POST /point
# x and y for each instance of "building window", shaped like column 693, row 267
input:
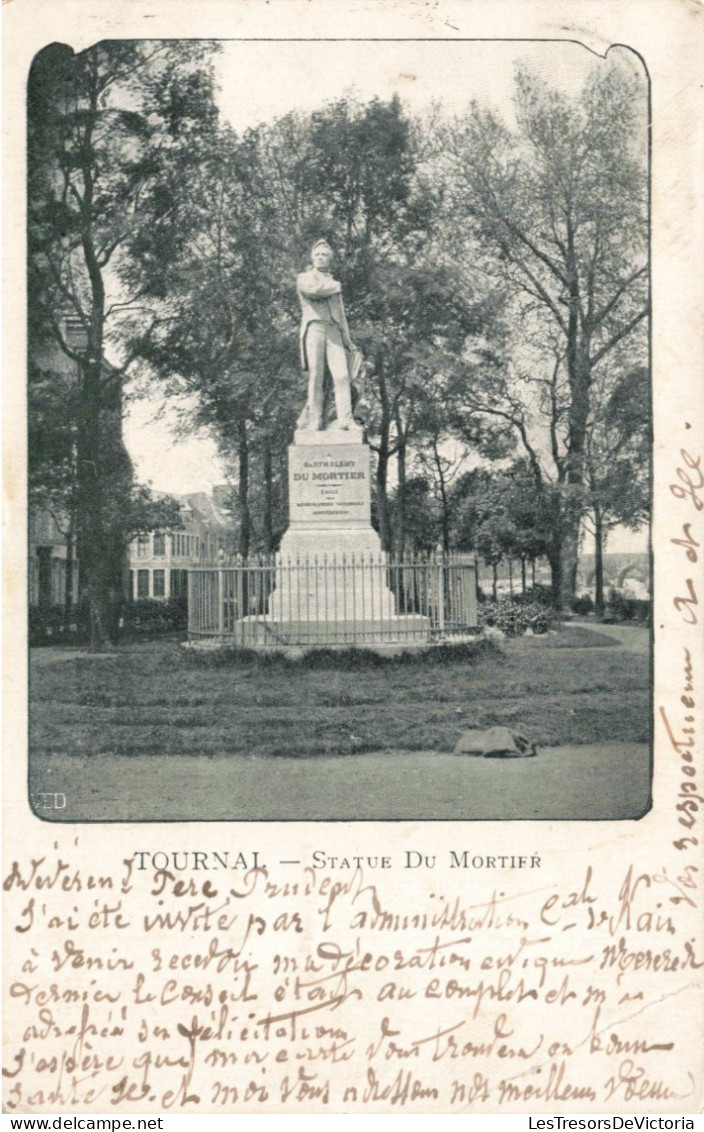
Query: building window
column 159, row 583
column 142, row 583
column 179, row 583
column 44, row 559
column 142, row 546
column 159, row 544
column 58, row 581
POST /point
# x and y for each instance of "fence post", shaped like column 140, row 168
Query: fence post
column 441, row 596
column 473, row 611
column 221, row 595
column 190, row 601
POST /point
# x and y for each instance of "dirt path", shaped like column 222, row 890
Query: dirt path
column 605, row 781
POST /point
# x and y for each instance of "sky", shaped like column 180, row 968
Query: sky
column 308, row 75
column 260, row 81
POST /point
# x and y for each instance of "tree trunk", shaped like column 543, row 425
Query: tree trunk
column 523, row 576
column 384, row 455
column 510, row 576
column 382, row 502
column 68, row 593
column 568, row 563
column 555, row 560
column 443, row 500
column 494, row 580
column 579, row 371
column 599, row 561
column 243, row 489
column 93, row 553
column 268, row 496
column 103, row 475
column 90, row 535
column 401, row 500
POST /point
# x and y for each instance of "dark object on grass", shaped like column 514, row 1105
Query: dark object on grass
column 495, row 742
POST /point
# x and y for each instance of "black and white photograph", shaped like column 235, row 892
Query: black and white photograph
column 354, row 513
column 339, row 408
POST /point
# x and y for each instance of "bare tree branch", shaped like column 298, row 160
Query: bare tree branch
column 625, row 330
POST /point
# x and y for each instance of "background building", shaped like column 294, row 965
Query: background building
column 159, row 560
column 50, row 562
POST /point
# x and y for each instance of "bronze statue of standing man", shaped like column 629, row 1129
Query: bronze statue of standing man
column 325, row 337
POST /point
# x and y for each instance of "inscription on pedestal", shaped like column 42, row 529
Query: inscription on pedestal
column 329, row 486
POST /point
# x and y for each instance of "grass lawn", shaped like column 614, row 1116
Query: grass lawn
column 572, row 687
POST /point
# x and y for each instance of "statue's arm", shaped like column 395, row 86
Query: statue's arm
column 313, row 286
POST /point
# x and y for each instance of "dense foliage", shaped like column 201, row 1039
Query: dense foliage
column 495, row 277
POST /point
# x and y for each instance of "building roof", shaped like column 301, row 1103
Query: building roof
column 205, row 508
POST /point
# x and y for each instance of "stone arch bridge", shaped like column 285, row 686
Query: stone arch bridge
column 618, row 570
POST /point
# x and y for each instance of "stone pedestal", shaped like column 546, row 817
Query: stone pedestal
column 328, row 488
column 331, row 578
column 330, row 566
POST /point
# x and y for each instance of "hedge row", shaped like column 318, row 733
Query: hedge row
column 48, row 624
column 618, row 607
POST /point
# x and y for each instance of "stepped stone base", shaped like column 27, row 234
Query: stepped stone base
column 360, row 545
column 256, row 632
column 331, row 575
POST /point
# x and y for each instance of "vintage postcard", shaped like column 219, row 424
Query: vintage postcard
column 354, row 522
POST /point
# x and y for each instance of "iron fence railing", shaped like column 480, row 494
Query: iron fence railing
column 333, row 600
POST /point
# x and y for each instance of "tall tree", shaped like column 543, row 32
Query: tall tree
column 415, row 506
column 224, row 330
column 530, row 513
column 103, row 127
column 500, row 515
column 618, row 458
column 420, row 322
column 556, row 208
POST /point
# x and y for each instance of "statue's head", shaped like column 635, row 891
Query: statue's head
column 321, row 254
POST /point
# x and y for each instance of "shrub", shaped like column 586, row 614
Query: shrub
column 622, row 608
column 536, row 595
column 150, row 617
column 583, row 605
column 48, row 624
column 514, row 617
column 539, row 617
